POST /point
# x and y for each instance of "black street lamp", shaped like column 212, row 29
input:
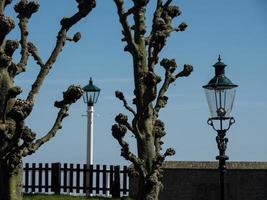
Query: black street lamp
column 220, row 93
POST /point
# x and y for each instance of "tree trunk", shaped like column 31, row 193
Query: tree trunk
column 10, row 183
column 146, row 191
column 149, row 187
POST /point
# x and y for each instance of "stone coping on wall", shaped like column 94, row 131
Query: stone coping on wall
column 244, row 165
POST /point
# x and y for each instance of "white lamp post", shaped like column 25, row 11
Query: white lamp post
column 90, row 97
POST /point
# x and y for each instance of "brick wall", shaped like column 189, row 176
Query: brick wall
column 200, row 181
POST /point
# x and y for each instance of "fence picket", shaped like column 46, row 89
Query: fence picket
column 110, row 178
column 78, row 178
column 46, row 177
column 33, row 177
column 26, row 184
column 91, row 174
column 71, row 178
column 40, row 177
column 56, row 177
column 85, row 172
column 104, row 180
column 65, row 177
column 97, row 178
column 125, row 176
column 116, row 183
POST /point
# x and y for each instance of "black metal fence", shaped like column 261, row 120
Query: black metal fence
column 69, row 178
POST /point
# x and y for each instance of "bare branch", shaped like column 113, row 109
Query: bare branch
column 11, row 46
column 161, row 158
column 125, row 26
column 121, row 97
column 129, row 11
column 123, row 120
column 161, row 30
column 185, row 72
column 70, row 96
column 152, row 49
column 25, row 10
column 128, row 155
column 158, row 132
column 85, row 8
column 170, row 67
column 118, row 132
column 24, row 49
column 169, row 152
column 168, row 2
column 181, row 27
column 57, row 125
column 75, row 38
column 11, row 93
column 34, row 52
column 46, row 68
column 6, row 25
column 2, row 6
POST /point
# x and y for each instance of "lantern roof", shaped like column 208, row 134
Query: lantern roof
column 220, row 81
column 91, row 87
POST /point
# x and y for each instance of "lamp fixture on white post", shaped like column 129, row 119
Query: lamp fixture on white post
column 90, row 97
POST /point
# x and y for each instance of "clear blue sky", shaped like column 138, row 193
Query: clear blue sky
column 235, row 29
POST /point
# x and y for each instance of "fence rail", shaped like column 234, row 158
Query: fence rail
column 69, row 178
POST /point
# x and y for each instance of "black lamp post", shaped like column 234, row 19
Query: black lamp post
column 220, row 93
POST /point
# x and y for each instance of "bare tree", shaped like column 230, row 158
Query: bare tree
column 17, row 140
column 145, row 125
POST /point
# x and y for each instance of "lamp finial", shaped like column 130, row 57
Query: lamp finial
column 219, row 58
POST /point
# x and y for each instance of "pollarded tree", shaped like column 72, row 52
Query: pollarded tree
column 146, row 126
column 17, row 140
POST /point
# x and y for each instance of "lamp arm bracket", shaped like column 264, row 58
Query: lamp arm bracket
column 210, row 122
column 231, row 121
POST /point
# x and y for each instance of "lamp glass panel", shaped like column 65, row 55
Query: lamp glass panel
column 220, row 100
column 85, row 97
column 96, row 95
column 91, row 95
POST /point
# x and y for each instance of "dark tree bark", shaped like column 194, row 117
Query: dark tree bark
column 16, row 139
column 150, row 97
